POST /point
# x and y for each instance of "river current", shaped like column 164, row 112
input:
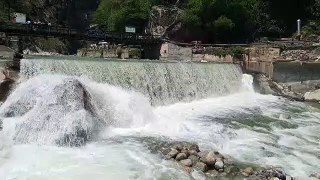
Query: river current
column 211, row 104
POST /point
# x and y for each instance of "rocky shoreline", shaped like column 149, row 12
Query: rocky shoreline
column 212, row 164
column 264, row 85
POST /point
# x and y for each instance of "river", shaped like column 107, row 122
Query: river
column 142, row 102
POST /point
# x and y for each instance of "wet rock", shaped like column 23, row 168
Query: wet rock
column 247, row 171
column 315, row 175
column 200, row 166
column 271, row 173
column 219, row 165
column 209, row 158
column 312, row 96
column 178, row 147
column 186, row 162
column 261, row 84
column 192, row 152
column 63, row 112
column 194, row 159
column 194, row 147
column 5, row 87
column 172, row 154
column 202, row 153
column 185, row 151
column 228, row 160
column 181, row 156
column 212, row 173
column 231, row 169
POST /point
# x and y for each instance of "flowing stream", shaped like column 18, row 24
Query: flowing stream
column 125, row 105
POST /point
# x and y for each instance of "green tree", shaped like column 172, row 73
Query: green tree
column 113, row 15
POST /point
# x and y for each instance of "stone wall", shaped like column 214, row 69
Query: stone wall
column 171, row 51
column 263, row 53
column 116, row 52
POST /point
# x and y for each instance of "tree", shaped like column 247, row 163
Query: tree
column 113, row 15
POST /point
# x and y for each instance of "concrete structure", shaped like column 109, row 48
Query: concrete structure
column 171, row 51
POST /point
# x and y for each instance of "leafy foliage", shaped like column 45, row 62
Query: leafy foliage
column 113, row 15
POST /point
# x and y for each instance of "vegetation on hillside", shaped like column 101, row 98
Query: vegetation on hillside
column 217, row 20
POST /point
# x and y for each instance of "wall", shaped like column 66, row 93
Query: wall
column 169, row 51
column 296, row 71
column 263, row 53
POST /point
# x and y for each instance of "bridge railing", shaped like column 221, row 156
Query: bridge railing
column 58, row 31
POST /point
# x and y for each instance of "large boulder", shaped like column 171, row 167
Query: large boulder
column 48, row 110
column 313, row 95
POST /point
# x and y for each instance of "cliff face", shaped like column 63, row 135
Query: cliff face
column 163, row 20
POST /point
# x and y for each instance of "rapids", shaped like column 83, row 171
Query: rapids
column 239, row 122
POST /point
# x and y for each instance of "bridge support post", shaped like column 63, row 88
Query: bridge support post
column 16, row 44
column 151, row 51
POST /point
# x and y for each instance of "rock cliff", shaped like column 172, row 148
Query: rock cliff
column 164, row 20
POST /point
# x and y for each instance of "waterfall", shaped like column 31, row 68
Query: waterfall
column 162, row 82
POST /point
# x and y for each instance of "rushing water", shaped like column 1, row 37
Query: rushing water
column 241, row 123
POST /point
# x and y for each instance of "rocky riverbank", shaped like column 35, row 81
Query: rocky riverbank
column 211, row 164
column 265, row 85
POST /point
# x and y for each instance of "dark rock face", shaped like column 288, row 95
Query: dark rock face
column 58, row 112
column 5, row 87
column 264, row 85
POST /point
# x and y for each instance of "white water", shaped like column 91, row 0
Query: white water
column 244, row 125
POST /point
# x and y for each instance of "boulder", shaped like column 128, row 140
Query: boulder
column 181, row 156
column 186, row 162
column 247, row 171
column 219, row 164
column 261, row 84
column 200, row 166
column 172, row 154
column 192, row 152
column 209, row 158
column 194, row 159
column 194, row 147
column 6, row 86
column 52, row 111
column 312, row 96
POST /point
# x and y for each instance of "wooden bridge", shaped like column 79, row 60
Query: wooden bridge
column 45, row 30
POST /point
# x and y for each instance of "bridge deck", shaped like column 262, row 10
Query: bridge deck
column 39, row 30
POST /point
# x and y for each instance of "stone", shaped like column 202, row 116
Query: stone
column 70, row 105
column 212, row 173
column 231, row 169
column 312, row 96
column 186, row 162
column 218, row 165
column 185, row 151
column 193, row 152
column 202, row 153
column 209, row 158
column 194, row 147
column 173, row 153
column 178, row 147
column 193, row 158
column 181, row 156
column 200, row 166
column 247, row 171
column 315, row 175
